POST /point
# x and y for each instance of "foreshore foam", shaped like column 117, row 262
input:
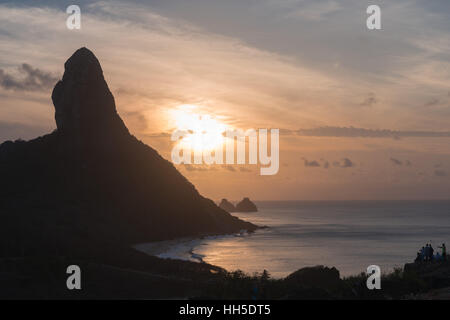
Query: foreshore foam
column 181, row 248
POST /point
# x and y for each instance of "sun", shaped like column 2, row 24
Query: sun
column 204, row 132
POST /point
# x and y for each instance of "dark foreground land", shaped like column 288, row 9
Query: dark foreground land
column 127, row 274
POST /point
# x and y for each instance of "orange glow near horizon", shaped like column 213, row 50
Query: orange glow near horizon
column 204, row 131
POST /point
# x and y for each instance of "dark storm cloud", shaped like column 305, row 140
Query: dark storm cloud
column 30, row 79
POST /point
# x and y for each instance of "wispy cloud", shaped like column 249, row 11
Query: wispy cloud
column 398, row 162
column 344, row 163
column 369, row 101
column 29, row 79
column 440, row 173
column 312, row 163
column 229, row 168
column 350, row 132
column 311, row 10
column 13, row 131
column 323, row 163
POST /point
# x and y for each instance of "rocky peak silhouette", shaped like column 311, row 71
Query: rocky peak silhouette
column 227, row 206
column 84, row 105
column 92, row 182
column 245, row 205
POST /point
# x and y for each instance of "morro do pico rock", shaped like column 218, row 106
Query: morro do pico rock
column 91, row 181
column 84, row 105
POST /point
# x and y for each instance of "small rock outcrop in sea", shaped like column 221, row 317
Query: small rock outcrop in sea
column 246, row 206
column 227, row 206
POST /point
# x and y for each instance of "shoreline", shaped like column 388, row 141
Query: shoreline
column 181, row 248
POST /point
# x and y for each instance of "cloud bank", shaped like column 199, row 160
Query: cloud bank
column 29, row 79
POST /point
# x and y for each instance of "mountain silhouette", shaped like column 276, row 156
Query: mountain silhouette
column 227, row 206
column 91, row 182
column 245, row 205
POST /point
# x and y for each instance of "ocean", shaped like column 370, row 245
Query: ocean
column 349, row 235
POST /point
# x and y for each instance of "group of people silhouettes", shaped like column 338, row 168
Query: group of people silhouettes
column 427, row 254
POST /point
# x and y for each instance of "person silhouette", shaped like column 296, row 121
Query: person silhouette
column 431, row 252
column 444, row 252
column 437, row 257
column 418, row 257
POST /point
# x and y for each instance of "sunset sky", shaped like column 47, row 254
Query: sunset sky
column 310, row 68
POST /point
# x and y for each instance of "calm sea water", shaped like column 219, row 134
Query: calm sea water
column 350, row 235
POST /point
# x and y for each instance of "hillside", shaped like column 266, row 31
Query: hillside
column 90, row 183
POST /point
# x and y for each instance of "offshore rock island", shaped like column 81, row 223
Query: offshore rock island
column 246, row 206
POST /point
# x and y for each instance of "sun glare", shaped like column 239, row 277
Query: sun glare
column 204, row 131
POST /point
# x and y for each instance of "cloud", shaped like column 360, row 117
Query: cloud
column 431, row 103
column 312, row 163
column 229, row 168
column 30, row 79
column 205, row 168
column 13, row 131
column 158, row 135
column 172, row 61
column 190, row 167
column 396, row 162
column 369, row 101
column 347, row 163
column 352, row 132
column 313, row 11
column 344, row 163
column 440, row 173
column 158, row 63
